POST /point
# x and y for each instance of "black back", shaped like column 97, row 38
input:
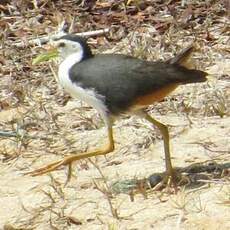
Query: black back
column 122, row 79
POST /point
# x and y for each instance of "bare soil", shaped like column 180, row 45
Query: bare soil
column 39, row 123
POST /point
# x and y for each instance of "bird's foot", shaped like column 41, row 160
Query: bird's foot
column 67, row 161
column 167, row 181
column 172, row 180
column 50, row 167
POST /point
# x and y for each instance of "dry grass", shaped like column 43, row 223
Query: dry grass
column 35, row 111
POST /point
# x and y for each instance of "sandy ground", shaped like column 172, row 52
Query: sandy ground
column 49, row 125
column 44, row 202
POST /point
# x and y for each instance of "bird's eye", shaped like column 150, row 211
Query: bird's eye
column 62, row 44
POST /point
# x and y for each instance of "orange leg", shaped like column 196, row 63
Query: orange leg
column 171, row 176
column 74, row 157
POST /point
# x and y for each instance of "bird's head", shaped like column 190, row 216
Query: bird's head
column 64, row 47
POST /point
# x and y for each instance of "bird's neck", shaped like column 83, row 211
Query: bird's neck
column 72, row 58
column 66, row 65
column 69, row 61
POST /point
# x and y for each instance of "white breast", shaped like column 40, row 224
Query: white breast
column 88, row 96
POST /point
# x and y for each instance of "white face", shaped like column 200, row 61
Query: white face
column 67, row 48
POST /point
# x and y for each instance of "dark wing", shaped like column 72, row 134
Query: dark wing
column 122, row 79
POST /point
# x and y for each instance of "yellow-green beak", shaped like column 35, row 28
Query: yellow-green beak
column 51, row 54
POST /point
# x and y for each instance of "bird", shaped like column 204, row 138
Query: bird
column 116, row 84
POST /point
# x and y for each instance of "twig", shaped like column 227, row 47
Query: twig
column 106, row 191
column 213, row 181
column 21, row 135
column 45, row 39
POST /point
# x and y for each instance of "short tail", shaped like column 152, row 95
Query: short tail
column 181, row 59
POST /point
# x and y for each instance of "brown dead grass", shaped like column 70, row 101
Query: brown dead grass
column 48, row 124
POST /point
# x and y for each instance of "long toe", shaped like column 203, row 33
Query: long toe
column 48, row 168
column 170, row 182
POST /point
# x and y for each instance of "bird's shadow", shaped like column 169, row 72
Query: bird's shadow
column 192, row 176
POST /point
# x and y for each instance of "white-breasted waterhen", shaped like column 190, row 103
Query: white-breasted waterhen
column 114, row 84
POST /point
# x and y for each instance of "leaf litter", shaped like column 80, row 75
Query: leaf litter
column 33, row 105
